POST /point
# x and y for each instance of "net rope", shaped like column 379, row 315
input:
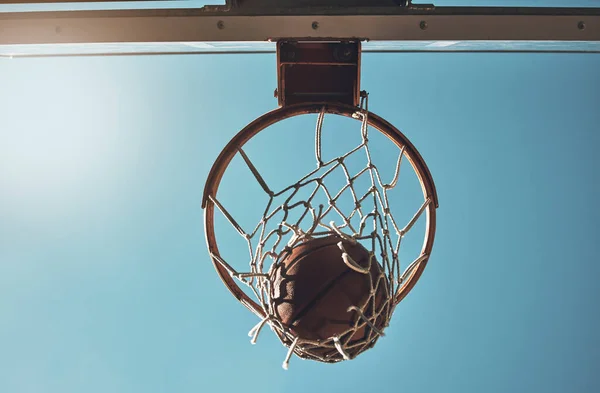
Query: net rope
column 376, row 229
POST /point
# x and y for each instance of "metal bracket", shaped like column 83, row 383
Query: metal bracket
column 318, row 71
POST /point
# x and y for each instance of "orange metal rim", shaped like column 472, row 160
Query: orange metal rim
column 222, row 162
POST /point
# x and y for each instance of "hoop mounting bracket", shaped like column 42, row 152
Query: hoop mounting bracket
column 318, row 71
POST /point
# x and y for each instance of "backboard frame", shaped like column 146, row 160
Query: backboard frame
column 222, row 23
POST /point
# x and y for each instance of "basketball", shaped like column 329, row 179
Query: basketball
column 312, row 289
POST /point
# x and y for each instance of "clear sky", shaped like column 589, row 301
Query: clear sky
column 105, row 281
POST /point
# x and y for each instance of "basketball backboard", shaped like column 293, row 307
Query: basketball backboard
column 253, row 26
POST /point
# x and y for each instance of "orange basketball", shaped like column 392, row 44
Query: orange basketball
column 312, row 289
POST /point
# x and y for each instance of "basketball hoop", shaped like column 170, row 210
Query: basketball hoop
column 378, row 229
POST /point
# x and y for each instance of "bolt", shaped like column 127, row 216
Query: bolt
column 423, row 25
column 315, row 25
column 58, row 29
column 342, row 53
column 220, row 25
column 291, row 55
column 581, row 25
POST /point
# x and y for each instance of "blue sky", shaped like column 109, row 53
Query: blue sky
column 105, row 281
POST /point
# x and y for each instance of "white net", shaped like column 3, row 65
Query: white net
column 357, row 210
